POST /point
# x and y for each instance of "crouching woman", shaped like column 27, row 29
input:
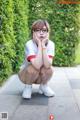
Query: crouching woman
column 39, row 54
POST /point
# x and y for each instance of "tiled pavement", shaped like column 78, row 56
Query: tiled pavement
column 64, row 106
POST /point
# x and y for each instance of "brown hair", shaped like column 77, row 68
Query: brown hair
column 39, row 24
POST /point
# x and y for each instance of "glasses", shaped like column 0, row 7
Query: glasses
column 43, row 30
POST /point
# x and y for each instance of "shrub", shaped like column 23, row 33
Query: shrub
column 13, row 35
column 7, row 38
column 64, row 24
column 20, row 30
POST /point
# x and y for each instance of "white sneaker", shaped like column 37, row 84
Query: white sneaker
column 46, row 90
column 27, row 91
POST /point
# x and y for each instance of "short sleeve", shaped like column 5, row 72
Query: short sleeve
column 29, row 51
column 51, row 50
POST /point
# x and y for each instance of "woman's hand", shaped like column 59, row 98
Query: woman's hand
column 36, row 39
column 45, row 40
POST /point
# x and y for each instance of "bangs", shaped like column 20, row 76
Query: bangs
column 39, row 25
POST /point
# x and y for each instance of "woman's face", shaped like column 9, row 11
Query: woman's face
column 41, row 34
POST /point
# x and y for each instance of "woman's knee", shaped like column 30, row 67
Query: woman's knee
column 47, row 71
column 46, row 74
column 28, row 75
column 32, row 71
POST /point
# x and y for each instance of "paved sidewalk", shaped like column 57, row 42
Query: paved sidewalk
column 64, row 106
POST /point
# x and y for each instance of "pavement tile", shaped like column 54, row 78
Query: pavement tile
column 13, row 86
column 32, row 109
column 75, row 83
column 37, row 99
column 61, row 89
column 77, row 96
column 72, row 73
column 9, row 103
column 63, row 108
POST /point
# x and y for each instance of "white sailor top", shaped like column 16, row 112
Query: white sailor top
column 31, row 50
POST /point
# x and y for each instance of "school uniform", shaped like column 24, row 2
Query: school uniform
column 31, row 50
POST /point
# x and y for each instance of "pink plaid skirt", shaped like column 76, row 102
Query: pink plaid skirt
column 30, row 75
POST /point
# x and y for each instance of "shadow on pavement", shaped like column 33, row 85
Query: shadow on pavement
column 36, row 99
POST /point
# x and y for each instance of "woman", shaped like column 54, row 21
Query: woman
column 37, row 67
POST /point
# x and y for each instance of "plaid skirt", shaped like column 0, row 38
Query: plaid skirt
column 30, row 75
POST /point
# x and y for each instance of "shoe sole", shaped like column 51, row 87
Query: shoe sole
column 41, row 92
column 26, row 97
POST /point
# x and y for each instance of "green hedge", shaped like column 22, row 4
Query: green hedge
column 13, row 35
column 7, row 38
column 20, row 29
column 64, row 24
